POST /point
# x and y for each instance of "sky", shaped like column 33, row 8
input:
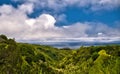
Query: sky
column 55, row 20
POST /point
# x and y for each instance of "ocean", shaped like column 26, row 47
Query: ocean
column 75, row 44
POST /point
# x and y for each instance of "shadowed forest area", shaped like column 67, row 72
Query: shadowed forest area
column 24, row 58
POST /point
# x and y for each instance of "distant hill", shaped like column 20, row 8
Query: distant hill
column 24, row 58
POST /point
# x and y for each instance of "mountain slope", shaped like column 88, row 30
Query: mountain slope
column 23, row 58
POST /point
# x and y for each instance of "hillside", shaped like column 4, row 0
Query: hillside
column 24, row 58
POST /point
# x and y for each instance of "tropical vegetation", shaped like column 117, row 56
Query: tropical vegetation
column 24, row 58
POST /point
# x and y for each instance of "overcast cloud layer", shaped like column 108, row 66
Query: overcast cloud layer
column 14, row 22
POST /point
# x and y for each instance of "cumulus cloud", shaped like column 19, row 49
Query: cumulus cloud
column 16, row 23
column 26, row 8
column 10, row 18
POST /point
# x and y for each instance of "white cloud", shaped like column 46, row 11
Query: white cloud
column 77, row 30
column 95, row 4
column 80, row 39
column 10, row 20
column 26, row 8
column 57, row 5
column 15, row 23
column 50, row 21
column 30, row 22
column 61, row 18
column 100, row 34
column 6, row 9
column 107, row 31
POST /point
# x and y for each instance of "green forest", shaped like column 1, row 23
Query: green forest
column 25, row 58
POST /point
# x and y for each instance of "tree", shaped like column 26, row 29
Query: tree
column 3, row 37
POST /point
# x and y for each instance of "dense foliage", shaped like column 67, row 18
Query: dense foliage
column 23, row 58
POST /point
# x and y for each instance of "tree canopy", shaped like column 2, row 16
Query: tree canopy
column 22, row 58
